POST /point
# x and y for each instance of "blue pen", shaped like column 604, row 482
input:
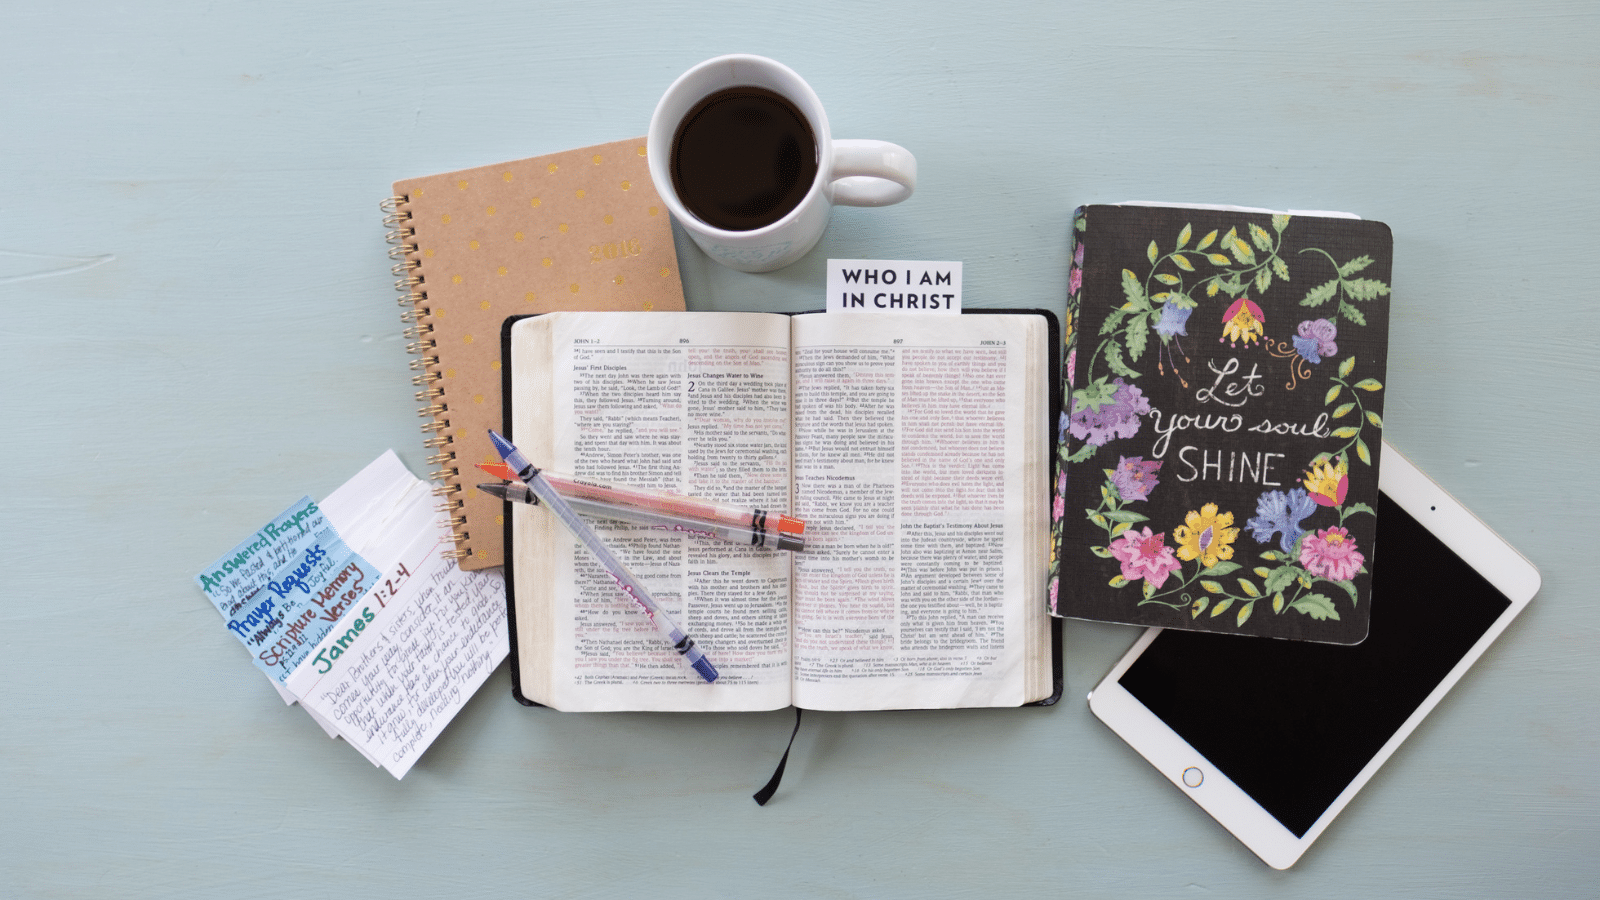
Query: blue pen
column 529, row 473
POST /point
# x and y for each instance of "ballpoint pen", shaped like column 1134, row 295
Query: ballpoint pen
column 663, row 502
column 517, row 492
column 530, row 475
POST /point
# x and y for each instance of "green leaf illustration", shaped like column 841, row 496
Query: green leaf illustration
column 1333, row 394
column 1351, row 313
column 1113, row 320
column 1242, row 252
column 1118, row 581
column 1149, row 589
column 1348, row 431
column 1133, row 290
column 1095, row 394
column 1183, row 263
column 1124, row 515
column 1354, row 266
column 1375, row 419
column 1164, row 278
column 1369, row 384
column 1280, row 222
column 1277, row 603
column 1217, row 259
column 1365, row 288
column 1244, row 613
column 1362, row 452
column 1198, row 607
column 1183, row 237
column 1102, row 552
column 1346, row 367
column 1280, row 268
column 1349, row 588
column 1207, row 241
column 1354, row 508
column 1221, row 607
column 1343, row 410
column 1263, row 280
column 1317, row 606
column 1138, row 336
column 1223, row 567
column 1259, row 237
column 1321, row 294
column 1280, row 579
column 1248, row 588
column 1115, row 362
column 1152, row 252
column 1212, row 587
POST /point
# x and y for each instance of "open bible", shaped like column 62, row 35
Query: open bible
column 916, row 448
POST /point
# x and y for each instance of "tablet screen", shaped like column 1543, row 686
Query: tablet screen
column 1292, row 723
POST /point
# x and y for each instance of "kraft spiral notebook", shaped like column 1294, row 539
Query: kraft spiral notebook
column 1221, row 443
column 580, row 229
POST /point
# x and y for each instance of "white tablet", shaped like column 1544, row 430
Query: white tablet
column 1229, row 721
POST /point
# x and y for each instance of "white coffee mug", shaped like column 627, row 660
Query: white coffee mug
column 850, row 172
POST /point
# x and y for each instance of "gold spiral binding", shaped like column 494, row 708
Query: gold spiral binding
column 415, row 312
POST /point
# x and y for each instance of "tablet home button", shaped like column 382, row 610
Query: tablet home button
column 1193, row 777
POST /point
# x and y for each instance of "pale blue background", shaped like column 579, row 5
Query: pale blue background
column 241, row 348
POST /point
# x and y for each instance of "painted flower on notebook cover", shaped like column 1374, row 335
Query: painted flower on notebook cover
column 1145, row 555
column 1202, row 433
column 1313, row 340
column 1135, row 478
column 1244, row 321
column 1279, row 513
column 1331, row 554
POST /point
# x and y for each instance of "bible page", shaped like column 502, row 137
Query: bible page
column 696, row 403
column 922, row 581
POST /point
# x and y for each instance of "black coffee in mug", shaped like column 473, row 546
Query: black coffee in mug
column 742, row 158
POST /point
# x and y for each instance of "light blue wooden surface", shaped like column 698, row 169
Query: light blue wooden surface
column 201, row 329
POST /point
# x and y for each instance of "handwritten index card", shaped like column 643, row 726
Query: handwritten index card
column 351, row 606
column 406, row 660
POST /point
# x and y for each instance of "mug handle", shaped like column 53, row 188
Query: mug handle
column 872, row 173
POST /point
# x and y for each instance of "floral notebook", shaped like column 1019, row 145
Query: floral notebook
column 1221, row 445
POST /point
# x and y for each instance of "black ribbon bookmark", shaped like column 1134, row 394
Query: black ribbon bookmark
column 765, row 794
